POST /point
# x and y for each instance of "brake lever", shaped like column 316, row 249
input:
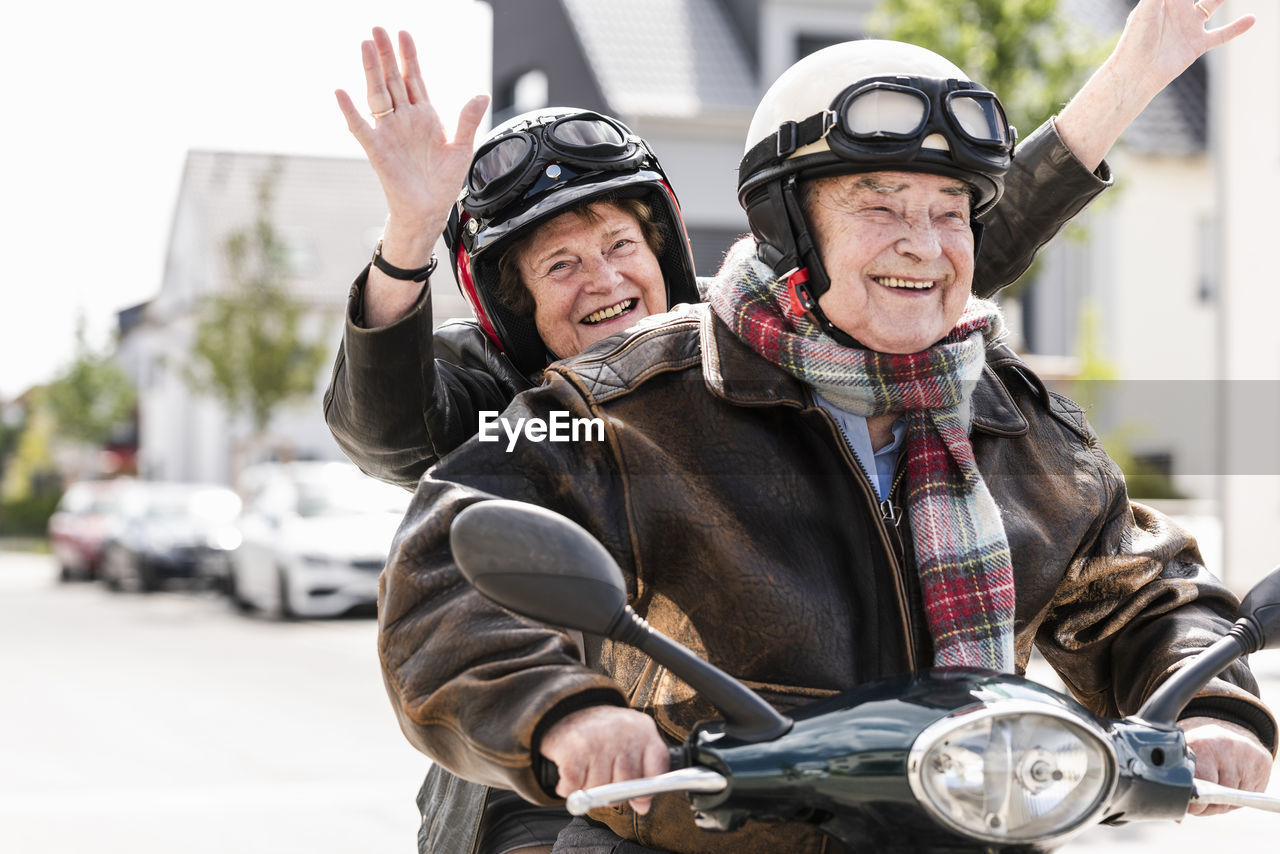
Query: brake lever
column 1205, row 792
column 549, row 775
column 702, row 780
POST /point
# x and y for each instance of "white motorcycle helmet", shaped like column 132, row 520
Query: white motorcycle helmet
column 863, row 106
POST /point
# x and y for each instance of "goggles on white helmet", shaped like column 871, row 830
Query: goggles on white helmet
column 885, row 120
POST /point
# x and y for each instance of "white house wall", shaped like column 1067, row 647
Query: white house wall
column 1247, row 129
column 1158, row 322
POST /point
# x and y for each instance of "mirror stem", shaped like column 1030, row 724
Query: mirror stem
column 1163, row 707
column 746, row 715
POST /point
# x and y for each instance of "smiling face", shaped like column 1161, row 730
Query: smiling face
column 590, row 276
column 898, row 248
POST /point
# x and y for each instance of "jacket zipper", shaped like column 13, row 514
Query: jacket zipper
column 885, row 537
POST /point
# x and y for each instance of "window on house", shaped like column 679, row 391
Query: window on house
column 1207, row 250
column 531, row 91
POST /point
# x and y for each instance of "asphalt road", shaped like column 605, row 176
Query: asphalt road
column 168, row 723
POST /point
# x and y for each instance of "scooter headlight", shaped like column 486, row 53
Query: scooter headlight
column 1013, row 772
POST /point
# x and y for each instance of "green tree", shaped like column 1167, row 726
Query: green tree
column 92, row 398
column 31, row 485
column 249, row 349
column 1029, row 52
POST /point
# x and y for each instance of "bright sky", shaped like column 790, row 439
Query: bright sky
column 104, row 99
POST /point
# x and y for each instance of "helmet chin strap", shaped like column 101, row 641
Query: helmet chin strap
column 810, row 281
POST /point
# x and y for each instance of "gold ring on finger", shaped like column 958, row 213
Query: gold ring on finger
column 393, row 109
column 1207, row 14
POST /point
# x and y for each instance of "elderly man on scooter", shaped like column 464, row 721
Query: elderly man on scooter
column 831, row 472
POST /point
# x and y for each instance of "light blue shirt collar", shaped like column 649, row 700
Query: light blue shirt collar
column 878, row 465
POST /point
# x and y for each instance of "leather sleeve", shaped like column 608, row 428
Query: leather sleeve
column 472, row 684
column 401, row 396
column 1044, row 189
column 1135, row 604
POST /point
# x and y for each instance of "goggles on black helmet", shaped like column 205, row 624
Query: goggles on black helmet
column 890, row 117
column 527, row 161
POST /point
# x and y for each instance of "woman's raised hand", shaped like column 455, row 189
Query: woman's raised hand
column 420, row 168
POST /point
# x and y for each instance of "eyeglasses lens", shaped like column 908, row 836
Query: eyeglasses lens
column 978, row 117
column 498, row 161
column 882, row 112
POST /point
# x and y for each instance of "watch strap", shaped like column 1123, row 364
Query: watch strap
column 420, row 274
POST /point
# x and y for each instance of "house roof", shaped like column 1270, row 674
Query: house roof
column 685, row 59
column 673, row 58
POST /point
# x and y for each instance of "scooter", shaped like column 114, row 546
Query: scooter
column 966, row 759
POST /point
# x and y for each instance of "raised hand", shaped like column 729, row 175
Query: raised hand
column 421, row 169
column 1162, row 38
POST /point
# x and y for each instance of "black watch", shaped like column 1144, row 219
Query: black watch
column 421, row 274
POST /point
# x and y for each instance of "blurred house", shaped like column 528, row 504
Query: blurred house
column 329, row 212
column 684, row 74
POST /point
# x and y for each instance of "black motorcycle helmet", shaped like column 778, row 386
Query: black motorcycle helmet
column 533, row 168
column 863, row 106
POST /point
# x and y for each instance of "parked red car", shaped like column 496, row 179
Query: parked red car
column 84, row 519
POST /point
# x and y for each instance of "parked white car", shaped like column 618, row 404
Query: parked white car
column 314, row 538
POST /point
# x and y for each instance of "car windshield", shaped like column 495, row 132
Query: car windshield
column 343, row 496
column 211, row 505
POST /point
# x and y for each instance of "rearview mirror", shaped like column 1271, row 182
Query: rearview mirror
column 1262, row 605
column 540, row 564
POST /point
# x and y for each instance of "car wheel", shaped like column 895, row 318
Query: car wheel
column 284, row 609
column 147, row 575
column 113, row 569
column 238, row 601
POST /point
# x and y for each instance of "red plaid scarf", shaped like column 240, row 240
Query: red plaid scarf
column 962, row 553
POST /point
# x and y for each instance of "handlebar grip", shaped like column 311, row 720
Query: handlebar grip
column 679, row 758
column 549, row 775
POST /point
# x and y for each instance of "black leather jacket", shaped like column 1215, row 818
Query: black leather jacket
column 401, row 397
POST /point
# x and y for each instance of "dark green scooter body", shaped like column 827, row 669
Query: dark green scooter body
column 843, row 765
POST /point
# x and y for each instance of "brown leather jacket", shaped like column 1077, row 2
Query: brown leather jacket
column 748, row 532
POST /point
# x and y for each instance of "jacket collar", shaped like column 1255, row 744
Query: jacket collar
column 737, row 374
